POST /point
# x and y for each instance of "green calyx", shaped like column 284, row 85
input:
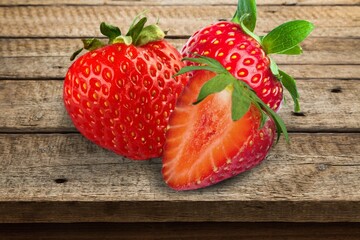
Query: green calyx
column 242, row 94
column 138, row 35
column 284, row 39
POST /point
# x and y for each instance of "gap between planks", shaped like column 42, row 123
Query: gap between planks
column 191, row 230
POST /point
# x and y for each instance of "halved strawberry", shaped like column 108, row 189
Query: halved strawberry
column 219, row 128
column 204, row 145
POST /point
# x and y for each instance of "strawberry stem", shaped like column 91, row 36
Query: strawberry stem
column 110, row 31
column 246, row 7
column 138, row 35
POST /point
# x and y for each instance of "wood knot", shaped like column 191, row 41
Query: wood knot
column 336, row 90
column 321, row 166
column 60, row 180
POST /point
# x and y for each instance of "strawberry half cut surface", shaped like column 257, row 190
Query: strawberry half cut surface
column 120, row 95
column 204, row 145
column 219, row 128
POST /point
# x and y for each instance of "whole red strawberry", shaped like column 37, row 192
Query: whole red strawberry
column 245, row 55
column 120, row 95
column 224, row 122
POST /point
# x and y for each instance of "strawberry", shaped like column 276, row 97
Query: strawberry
column 204, row 145
column 219, row 128
column 241, row 55
column 120, row 95
column 245, row 55
column 225, row 121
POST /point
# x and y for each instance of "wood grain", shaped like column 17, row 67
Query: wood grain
column 81, row 21
column 50, row 173
column 171, row 2
column 169, row 231
column 37, row 106
column 65, row 178
column 334, row 51
column 56, row 67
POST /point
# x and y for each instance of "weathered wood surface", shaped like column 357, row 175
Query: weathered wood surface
column 56, row 67
column 49, row 58
column 59, row 21
column 320, row 51
column 171, row 231
column 171, row 2
column 37, row 106
column 50, row 173
column 65, row 178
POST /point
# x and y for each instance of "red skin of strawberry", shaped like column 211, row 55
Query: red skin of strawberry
column 205, row 146
column 241, row 55
column 120, row 97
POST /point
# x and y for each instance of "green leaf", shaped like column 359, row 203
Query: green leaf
column 240, row 102
column 89, row 44
column 194, row 68
column 149, row 33
column 247, row 30
column 135, row 30
column 92, row 44
column 246, row 7
column 110, row 31
column 285, row 100
column 286, row 36
column 214, row 85
column 279, row 123
column 274, row 68
column 264, row 118
column 207, row 61
column 123, row 39
column 296, row 50
column 73, row 56
column 290, row 84
column 137, row 17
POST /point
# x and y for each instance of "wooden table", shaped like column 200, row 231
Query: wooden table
column 51, row 175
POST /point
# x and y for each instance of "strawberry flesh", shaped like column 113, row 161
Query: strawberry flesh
column 204, row 145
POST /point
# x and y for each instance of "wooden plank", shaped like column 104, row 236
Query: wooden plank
column 37, row 106
column 56, row 67
column 171, row 2
column 333, row 51
column 65, row 178
column 208, row 231
column 75, row 21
